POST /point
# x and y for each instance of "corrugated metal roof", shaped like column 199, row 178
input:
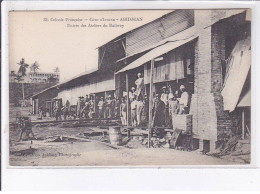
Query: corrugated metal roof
column 122, row 35
column 158, row 51
column 180, row 36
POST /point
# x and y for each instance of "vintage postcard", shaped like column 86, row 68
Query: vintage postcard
column 130, row 87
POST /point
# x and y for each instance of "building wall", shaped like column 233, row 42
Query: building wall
column 158, row 30
column 106, row 82
column 203, row 106
column 210, row 121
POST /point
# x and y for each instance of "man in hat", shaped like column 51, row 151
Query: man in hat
column 184, row 100
column 132, row 94
column 139, row 85
column 123, row 112
column 164, row 98
column 101, row 107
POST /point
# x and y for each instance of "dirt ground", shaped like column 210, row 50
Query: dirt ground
column 73, row 152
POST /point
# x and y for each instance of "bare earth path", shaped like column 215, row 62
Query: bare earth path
column 42, row 153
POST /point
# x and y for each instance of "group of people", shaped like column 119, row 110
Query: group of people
column 165, row 104
column 168, row 104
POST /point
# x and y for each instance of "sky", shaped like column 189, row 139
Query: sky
column 44, row 36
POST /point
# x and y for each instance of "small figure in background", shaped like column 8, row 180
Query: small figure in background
column 91, row 112
column 133, row 112
column 108, row 107
column 57, row 111
column 26, row 127
column 117, row 108
column 123, row 112
column 101, row 108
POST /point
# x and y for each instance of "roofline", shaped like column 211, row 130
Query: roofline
column 137, row 28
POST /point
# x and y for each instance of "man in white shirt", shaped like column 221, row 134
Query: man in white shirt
column 184, row 100
column 134, row 105
column 139, row 85
column 132, row 94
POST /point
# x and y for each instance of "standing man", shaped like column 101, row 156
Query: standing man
column 133, row 112
column 139, row 110
column 101, row 108
column 184, row 100
column 109, row 107
column 123, row 113
column 117, row 107
column 145, row 112
column 139, row 85
column 158, row 112
column 164, row 98
column 91, row 107
column 132, row 94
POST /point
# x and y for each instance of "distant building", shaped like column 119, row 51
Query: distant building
column 37, row 77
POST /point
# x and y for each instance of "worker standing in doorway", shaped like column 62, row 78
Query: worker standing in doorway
column 184, row 100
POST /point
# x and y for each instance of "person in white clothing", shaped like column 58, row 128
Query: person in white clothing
column 139, row 86
column 134, row 105
column 132, row 94
column 184, row 100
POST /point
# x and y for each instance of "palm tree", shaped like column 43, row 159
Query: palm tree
column 35, row 67
column 23, row 68
column 21, row 73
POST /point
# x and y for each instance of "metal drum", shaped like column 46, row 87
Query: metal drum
column 115, row 135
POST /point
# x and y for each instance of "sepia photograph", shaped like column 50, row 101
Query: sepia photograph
column 129, row 88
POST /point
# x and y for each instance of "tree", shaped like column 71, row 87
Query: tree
column 18, row 78
column 21, row 73
column 35, row 67
column 23, row 68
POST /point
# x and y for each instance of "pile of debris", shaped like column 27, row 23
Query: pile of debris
column 235, row 149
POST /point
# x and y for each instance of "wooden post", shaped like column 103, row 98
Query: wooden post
column 151, row 104
column 243, row 124
column 127, row 99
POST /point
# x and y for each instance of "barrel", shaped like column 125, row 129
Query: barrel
column 115, row 135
